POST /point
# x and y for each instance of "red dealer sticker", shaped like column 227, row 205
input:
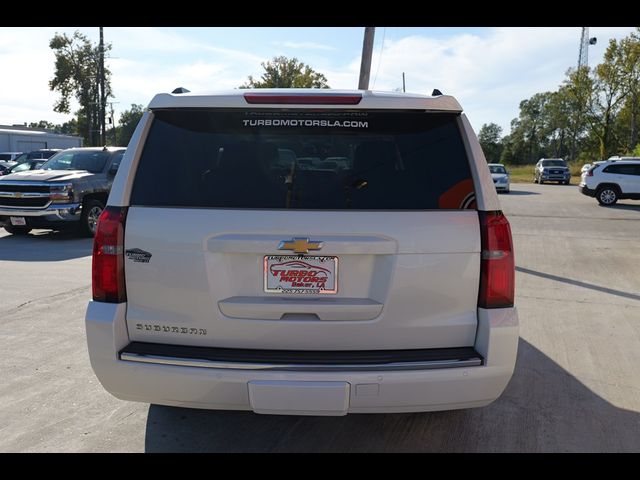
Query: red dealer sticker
column 300, row 275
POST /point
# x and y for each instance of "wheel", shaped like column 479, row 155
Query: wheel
column 507, row 190
column 91, row 211
column 540, row 181
column 535, row 179
column 607, row 196
column 17, row 230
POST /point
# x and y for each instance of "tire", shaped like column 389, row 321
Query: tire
column 540, row 181
column 607, row 196
column 17, row 230
column 91, row 210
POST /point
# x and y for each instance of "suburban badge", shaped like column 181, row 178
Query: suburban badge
column 138, row 255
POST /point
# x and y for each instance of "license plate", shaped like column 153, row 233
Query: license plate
column 300, row 275
column 18, row 221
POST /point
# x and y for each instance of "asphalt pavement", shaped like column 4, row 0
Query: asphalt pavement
column 575, row 388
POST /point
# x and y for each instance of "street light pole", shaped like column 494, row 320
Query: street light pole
column 103, row 130
column 367, row 53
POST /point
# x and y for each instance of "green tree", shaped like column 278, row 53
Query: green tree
column 283, row 72
column 76, row 74
column 609, row 92
column 128, row 122
column 627, row 61
column 44, row 125
column 490, row 141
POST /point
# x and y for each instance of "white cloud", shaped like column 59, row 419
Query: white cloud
column 489, row 72
column 305, row 46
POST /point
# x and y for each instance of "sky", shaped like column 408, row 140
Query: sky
column 490, row 70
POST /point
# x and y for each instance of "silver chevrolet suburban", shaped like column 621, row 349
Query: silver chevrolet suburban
column 304, row 252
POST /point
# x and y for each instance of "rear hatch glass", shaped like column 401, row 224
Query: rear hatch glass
column 304, row 160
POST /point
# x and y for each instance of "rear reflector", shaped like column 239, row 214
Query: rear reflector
column 303, row 99
column 108, row 257
column 497, row 271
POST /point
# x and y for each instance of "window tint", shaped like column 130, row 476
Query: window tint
column 554, row 163
column 497, row 169
column 21, row 167
column 304, row 159
column 92, row 161
column 621, row 169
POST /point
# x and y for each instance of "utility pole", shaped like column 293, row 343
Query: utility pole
column 103, row 130
column 404, row 89
column 367, row 52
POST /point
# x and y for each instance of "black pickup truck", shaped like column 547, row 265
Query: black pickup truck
column 70, row 190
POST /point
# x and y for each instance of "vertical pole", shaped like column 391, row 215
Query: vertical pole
column 113, row 125
column 367, row 52
column 404, row 89
column 103, row 130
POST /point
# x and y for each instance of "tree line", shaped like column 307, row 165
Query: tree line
column 77, row 72
column 594, row 114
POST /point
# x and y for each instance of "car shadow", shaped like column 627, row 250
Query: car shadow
column 623, row 206
column 44, row 246
column 543, row 409
column 520, row 192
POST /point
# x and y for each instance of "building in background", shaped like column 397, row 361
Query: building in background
column 23, row 139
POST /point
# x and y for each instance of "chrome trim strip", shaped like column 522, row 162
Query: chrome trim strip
column 24, row 194
column 49, row 209
column 193, row 362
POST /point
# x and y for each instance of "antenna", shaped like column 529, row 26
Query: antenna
column 585, row 41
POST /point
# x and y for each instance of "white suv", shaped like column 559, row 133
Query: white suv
column 229, row 275
column 612, row 180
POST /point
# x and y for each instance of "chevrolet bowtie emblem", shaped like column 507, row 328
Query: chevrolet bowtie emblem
column 299, row 245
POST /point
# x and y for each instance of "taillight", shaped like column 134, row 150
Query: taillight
column 108, row 257
column 497, row 272
column 303, row 99
column 590, row 172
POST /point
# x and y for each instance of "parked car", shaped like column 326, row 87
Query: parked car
column 70, row 190
column 500, row 177
column 612, row 180
column 384, row 287
column 37, row 154
column 9, row 156
column 552, row 170
column 33, row 164
column 5, row 167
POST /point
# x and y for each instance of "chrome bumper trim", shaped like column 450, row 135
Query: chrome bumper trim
column 193, row 362
column 58, row 209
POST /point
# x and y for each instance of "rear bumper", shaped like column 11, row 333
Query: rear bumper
column 586, row 191
column 370, row 391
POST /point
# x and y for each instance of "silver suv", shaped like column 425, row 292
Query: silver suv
column 612, row 180
column 374, row 278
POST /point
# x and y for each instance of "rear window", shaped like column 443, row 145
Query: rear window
column 304, row 160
